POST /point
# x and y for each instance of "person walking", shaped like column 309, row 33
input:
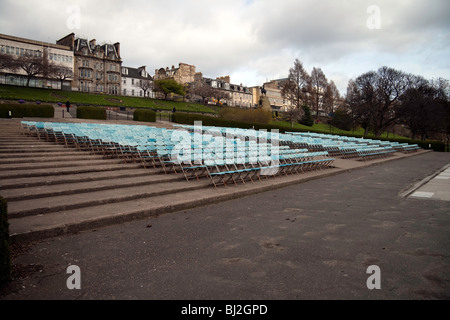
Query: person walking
column 68, row 105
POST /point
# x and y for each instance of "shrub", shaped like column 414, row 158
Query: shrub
column 306, row 119
column 259, row 115
column 341, row 120
column 146, row 115
column 27, row 110
column 5, row 255
column 185, row 118
column 86, row 112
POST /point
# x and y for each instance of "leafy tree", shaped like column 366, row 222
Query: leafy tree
column 342, row 120
column 169, row 86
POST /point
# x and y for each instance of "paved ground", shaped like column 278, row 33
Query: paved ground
column 313, row 240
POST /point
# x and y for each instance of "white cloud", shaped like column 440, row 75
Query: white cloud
column 251, row 41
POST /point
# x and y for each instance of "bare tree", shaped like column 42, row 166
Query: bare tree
column 220, row 95
column 375, row 96
column 424, row 107
column 317, row 88
column 201, row 89
column 295, row 88
column 145, row 85
column 32, row 65
column 332, row 96
column 7, row 62
column 359, row 98
column 59, row 72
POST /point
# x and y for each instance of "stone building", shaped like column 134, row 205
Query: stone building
column 273, row 91
column 239, row 95
column 97, row 68
column 59, row 55
column 184, row 74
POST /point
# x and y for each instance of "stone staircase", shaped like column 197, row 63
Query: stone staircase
column 52, row 189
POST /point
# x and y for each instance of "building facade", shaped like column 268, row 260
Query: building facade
column 238, row 95
column 137, row 82
column 97, row 68
column 58, row 55
column 184, row 74
column 273, row 91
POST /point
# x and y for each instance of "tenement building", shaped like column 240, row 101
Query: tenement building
column 97, row 68
column 237, row 94
column 48, row 54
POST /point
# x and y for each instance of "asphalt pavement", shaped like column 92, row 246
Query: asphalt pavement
column 316, row 240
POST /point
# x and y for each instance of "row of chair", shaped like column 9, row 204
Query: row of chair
column 336, row 145
column 223, row 159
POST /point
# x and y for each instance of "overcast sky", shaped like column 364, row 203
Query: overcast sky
column 251, row 40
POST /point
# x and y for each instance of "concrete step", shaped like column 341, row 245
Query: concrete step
column 62, row 222
column 50, row 164
column 65, row 170
column 47, row 148
column 58, row 223
column 43, row 154
column 33, row 158
column 45, row 205
column 71, row 188
column 40, row 181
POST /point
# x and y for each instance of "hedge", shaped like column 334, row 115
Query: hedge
column 5, row 255
column 27, row 110
column 184, row 118
column 146, row 115
column 86, row 112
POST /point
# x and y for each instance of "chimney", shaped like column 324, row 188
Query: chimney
column 117, row 46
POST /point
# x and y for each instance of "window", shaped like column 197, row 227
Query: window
column 132, row 81
column 124, row 92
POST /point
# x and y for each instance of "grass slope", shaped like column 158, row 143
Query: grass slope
column 81, row 98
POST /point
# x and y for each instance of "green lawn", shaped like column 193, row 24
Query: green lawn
column 80, row 98
column 325, row 128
